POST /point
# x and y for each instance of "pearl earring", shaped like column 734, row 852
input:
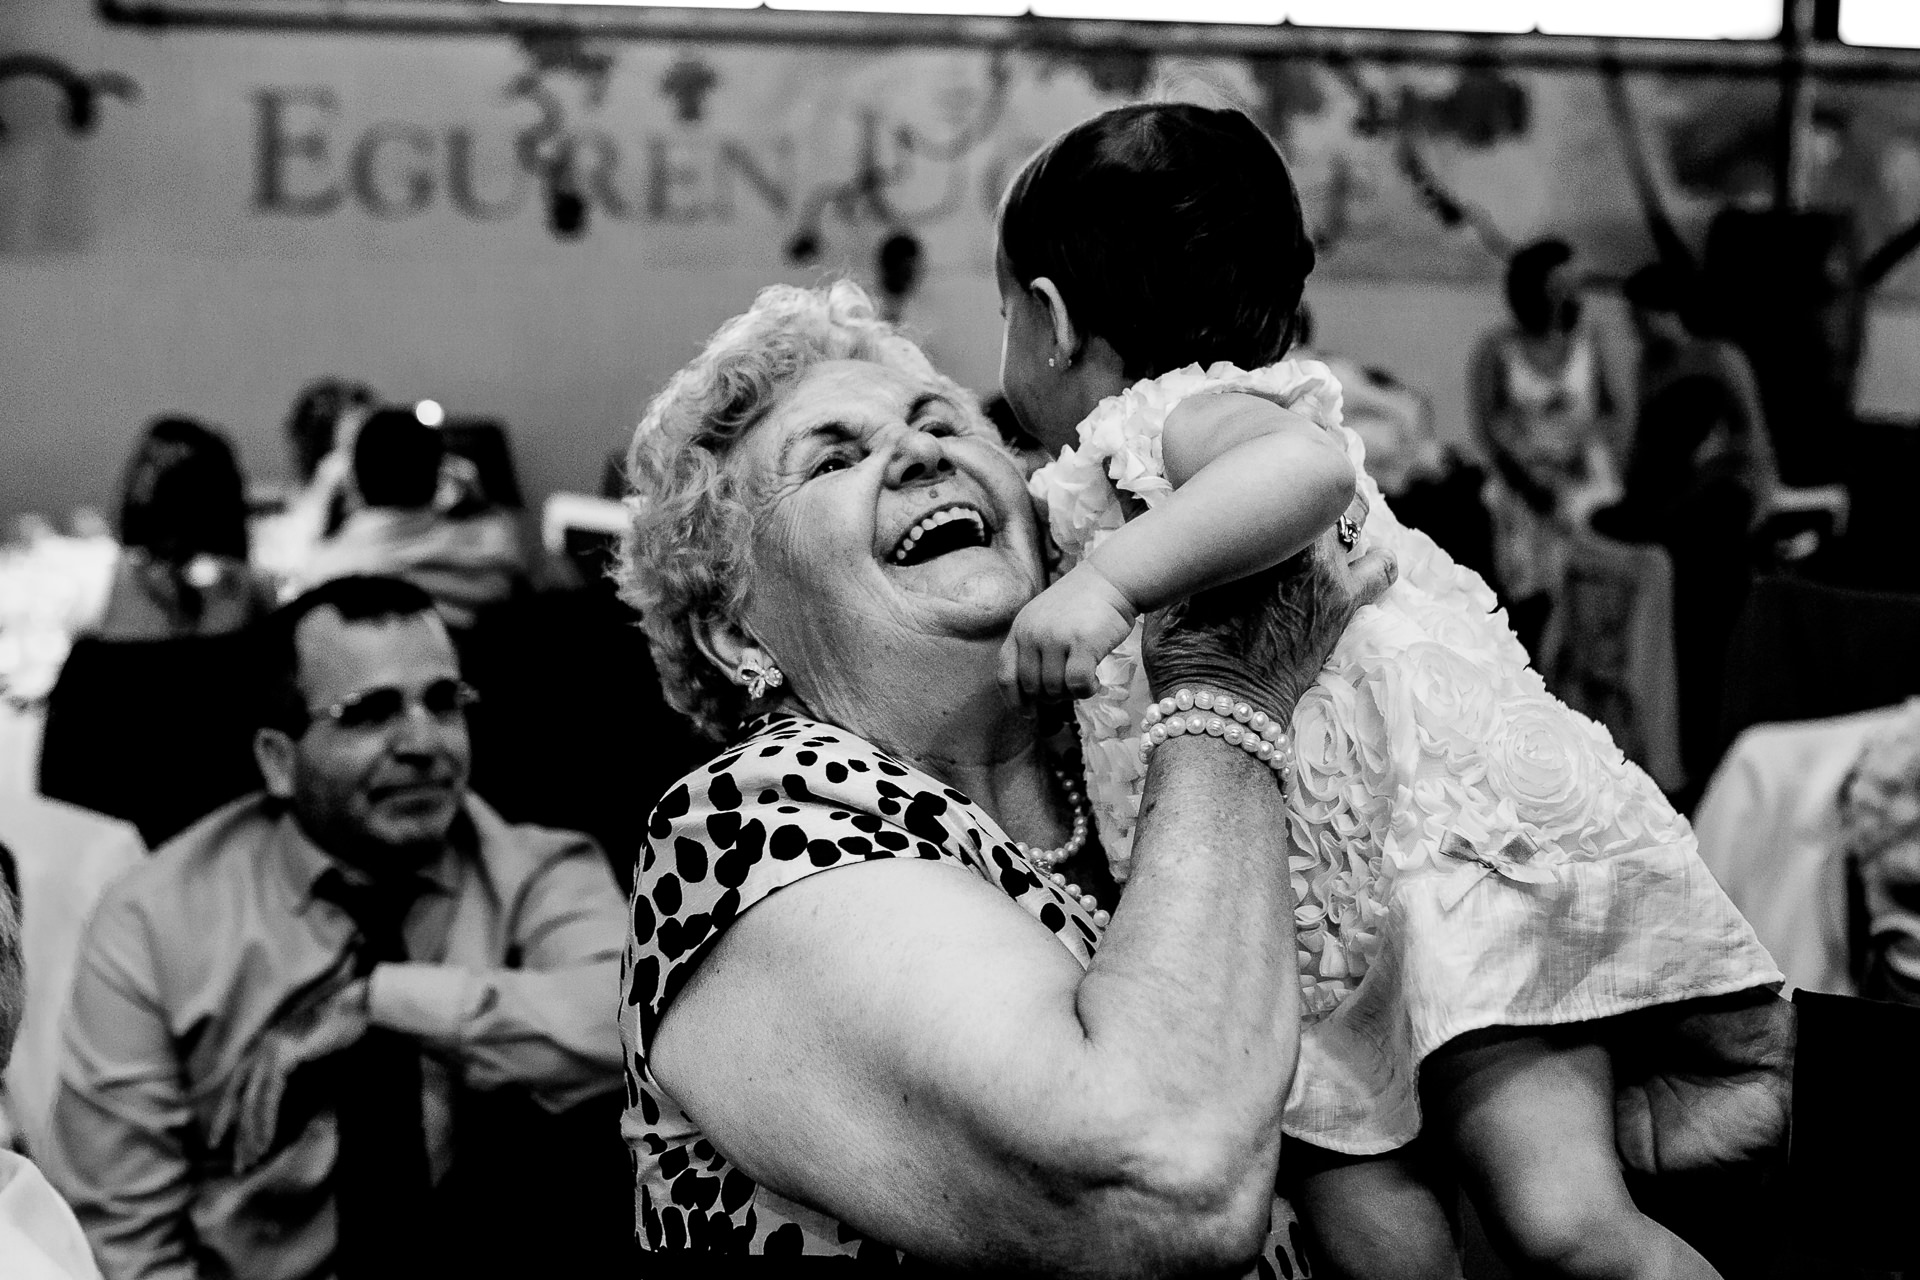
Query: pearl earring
column 758, row 678
column 1049, row 362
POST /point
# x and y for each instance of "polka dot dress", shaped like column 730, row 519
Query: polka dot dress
column 796, row 797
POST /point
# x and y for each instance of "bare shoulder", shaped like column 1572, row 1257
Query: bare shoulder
column 1204, row 426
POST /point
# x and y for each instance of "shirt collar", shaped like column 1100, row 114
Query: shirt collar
column 305, row 862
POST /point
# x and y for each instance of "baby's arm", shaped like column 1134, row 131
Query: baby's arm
column 1255, row 483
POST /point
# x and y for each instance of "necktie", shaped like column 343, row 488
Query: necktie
column 381, row 1185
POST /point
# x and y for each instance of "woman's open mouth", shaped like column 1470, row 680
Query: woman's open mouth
column 938, row 533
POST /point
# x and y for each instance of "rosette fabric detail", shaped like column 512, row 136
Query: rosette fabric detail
column 1426, row 730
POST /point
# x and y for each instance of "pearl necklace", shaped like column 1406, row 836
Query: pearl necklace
column 1048, row 859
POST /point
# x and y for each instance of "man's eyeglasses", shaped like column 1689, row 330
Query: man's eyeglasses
column 383, row 707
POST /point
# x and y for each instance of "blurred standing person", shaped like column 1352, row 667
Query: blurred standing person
column 1539, row 395
column 1699, row 478
column 399, row 527
column 337, row 1025
column 1669, row 453
column 182, row 568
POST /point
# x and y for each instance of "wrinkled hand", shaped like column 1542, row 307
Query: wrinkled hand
column 312, row 1024
column 1264, row 638
column 1705, row 1086
column 1060, row 637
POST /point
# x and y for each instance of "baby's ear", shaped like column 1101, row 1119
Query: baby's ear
column 1066, row 339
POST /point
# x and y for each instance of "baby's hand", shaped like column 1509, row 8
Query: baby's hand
column 1062, row 634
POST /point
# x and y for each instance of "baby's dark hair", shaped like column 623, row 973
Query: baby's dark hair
column 1171, row 230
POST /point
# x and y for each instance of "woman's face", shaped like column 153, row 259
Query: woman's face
column 890, row 522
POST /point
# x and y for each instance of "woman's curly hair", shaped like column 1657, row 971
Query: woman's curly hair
column 683, row 557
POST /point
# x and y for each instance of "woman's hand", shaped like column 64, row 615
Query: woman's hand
column 1705, row 1085
column 1266, row 637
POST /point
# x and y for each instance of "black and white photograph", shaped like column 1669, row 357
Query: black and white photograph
column 1336, row 584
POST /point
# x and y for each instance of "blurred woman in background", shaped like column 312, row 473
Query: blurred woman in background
column 1538, row 393
column 182, row 569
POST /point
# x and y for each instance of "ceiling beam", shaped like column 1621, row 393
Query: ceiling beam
column 497, row 18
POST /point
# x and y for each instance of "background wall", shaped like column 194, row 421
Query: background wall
column 274, row 208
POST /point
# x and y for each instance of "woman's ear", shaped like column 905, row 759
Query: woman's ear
column 1066, row 339
column 723, row 642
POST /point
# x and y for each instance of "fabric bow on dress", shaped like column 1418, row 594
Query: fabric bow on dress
column 1512, row 859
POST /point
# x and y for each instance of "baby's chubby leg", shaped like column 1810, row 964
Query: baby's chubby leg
column 1529, row 1121
column 1371, row 1217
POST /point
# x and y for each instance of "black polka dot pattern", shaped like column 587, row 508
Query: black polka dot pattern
column 797, row 797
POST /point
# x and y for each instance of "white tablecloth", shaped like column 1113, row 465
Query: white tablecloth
column 1768, row 832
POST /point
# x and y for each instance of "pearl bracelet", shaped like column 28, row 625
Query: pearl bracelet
column 1220, row 716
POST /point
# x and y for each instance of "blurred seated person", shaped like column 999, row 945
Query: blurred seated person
column 402, row 524
column 39, row 1236
column 320, row 430
column 354, row 1024
column 182, row 568
column 1770, row 830
column 1393, row 419
column 1880, row 833
column 65, row 858
column 1699, row 476
column 1541, row 406
column 1700, row 412
column 1433, row 489
column 324, row 417
column 145, row 720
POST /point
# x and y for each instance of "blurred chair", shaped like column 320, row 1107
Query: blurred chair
column 485, row 443
column 1769, row 831
column 157, row 732
column 66, row 858
column 572, row 521
column 1794, row 524
column 1608, row 649
column 1802, row 650
column 571, row 730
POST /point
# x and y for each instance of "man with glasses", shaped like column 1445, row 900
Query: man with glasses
column 354, row 1025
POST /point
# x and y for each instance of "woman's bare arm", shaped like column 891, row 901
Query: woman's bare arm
column 903, row 1047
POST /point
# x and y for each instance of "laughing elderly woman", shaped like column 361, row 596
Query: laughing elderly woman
column 948, row 1047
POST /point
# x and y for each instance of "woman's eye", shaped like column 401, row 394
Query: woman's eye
column 939, row 427
column 832, row 462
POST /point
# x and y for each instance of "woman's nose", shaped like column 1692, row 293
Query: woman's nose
column 918, row 458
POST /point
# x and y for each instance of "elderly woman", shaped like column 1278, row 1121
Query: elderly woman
column 960, row 1045
column 962, row 1048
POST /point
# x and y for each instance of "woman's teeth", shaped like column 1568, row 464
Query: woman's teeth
column 931, row 522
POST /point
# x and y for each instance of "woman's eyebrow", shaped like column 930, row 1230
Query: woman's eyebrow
column 833, row 430
column 925, row 399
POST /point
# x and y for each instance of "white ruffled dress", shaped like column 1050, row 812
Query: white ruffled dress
column 1467, row 851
